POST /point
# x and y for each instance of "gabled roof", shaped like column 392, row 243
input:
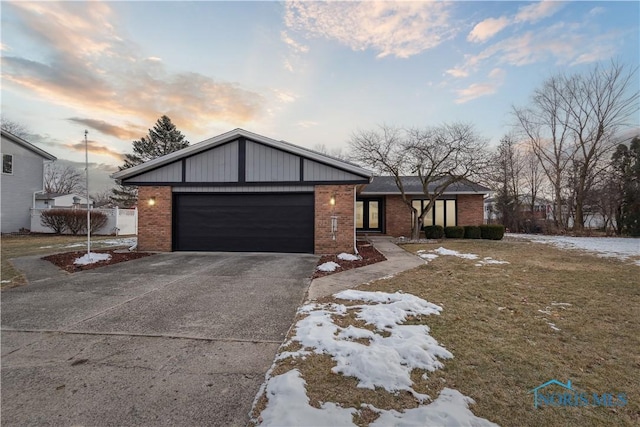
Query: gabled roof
column 29, row 146
column 413, row 186
column 210, row 143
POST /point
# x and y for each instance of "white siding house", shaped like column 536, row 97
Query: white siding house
column 22, row 176
column 56, row 200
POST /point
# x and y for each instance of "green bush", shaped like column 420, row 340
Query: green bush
column 433, row 231
column 454, row 232
column 492, row 231
column 472, row 232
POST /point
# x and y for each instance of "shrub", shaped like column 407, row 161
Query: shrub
column 454, row 232
column 433, row 231
column 54, row 219
column 73, row 220
column 472, row 232
column 492, row 231
column 97, row 220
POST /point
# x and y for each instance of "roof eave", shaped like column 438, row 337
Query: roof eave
column 28, row 145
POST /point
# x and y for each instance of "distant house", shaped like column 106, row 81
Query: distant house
column 379, row 205
column 542, row 209
column 59, row 200
column 22, row 177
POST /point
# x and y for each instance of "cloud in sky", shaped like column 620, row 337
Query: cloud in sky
column 487, row 29
column 537, row 11
column 400, row 29
column 531, row 13
column 477, row 90
column 130, row 132
column 86, row 65
column 95, row 148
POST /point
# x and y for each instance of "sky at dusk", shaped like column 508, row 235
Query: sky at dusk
column 305, row 72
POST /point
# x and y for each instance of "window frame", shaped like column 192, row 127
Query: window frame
column 425, row 202
column 365, row 215
column 12, row 164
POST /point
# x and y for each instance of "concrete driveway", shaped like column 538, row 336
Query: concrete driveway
column 172, row 339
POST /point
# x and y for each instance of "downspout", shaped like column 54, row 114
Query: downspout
column 44, row 165
column 355, row 238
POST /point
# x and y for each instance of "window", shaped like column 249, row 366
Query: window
column 368, row 215
column 445, row 212
column 7, row 164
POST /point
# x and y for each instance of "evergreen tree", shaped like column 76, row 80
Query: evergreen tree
column 626, row 163
column 163, row 139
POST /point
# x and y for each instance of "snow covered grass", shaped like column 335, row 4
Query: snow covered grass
column 497, row 321
column 613, row 247
column 379, row 351
column 435, row 253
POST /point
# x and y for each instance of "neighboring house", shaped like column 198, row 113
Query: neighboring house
column 240, row 191
column 59, row 200
column 380, row 209
column 542, row 209
column 22, row 176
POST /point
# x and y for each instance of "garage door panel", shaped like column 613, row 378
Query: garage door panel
column 244, row 222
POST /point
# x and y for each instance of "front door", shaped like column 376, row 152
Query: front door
column 369, row 215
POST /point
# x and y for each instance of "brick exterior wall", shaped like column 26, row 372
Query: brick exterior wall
column 470, row 209
column 154, row 222
column 343, row 209
column 397, row 217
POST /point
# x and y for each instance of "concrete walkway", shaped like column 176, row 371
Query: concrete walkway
column 398, row 260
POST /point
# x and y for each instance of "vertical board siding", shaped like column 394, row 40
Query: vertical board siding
column 217, row 165
column 265, row 164
column 314, row 171
column 168, row 173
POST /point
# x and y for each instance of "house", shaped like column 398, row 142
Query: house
column 22, row 177
column 241, row 191
column 60, row 200
column 542, row 209
column 380, row 208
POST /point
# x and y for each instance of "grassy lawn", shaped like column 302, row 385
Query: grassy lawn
column 37, row 244
column 497, row 321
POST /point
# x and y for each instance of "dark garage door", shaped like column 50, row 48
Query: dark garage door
column 244, row 222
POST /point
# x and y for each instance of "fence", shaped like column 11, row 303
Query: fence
column 119, row 221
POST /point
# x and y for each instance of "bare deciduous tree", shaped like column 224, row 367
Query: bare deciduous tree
column 439, row 156
column 15, row 128
column 63, row 179
column 333, row 152
column 571, row 123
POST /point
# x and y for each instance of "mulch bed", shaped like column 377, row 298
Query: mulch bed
column 65, row 260
column 367, row 252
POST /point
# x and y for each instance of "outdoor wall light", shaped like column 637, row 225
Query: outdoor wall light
column 152, row 201
column 332, row 200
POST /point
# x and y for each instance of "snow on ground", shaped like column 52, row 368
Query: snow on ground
column 328, row 266
column 611, row 247
column 386, row 362
column 95, row 257
column 348, row 257
column 448, row 252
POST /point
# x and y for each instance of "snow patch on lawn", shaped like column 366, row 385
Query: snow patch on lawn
column 328, row 266
column 610, row 247
column 95, row 257
column 386, row 362
column 448, row 252
column 349, row 257
column 125, row 241
column 451, row 408
column 289, row 405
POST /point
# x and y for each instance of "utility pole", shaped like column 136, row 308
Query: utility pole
column 86, row 168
